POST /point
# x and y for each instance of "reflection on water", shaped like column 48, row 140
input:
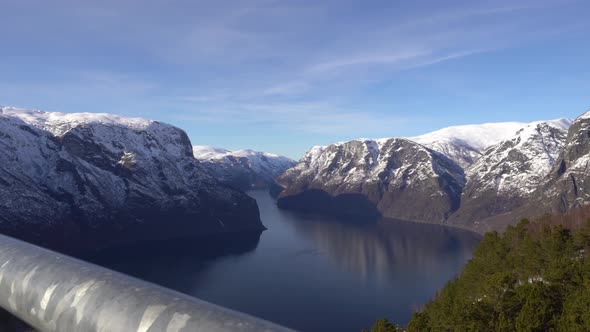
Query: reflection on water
column 179, row 263
column 389, row 249
column 307, row 272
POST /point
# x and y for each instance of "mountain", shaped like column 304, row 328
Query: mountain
column 394, row 178
column 242, row 169
column 465, row 144
column 205, row 152
column 568, row 185
column 85, row 181
column 509, row 172
column 422, row 178
column 478, row 176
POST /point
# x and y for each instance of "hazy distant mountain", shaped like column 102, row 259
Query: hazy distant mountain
column 243, row 169
column 89, row 180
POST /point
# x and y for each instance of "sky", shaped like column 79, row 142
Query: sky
column 283, row 76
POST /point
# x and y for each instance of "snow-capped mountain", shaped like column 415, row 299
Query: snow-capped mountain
column 85, row 180
column 206, row 152
column 568, row 184
column 82, row 181
column 243, row 169
column 463, row 175
column 509, row 172
column 395, row 178
column 465, row 144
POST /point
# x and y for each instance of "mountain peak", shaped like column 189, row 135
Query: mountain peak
column 243, row 169
column 584, row 116
column 478, row 136
column 208, row 152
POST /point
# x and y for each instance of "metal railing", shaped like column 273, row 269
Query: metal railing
column 53, row 292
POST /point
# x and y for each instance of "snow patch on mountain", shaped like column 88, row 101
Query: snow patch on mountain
column 108, row 130
column 584, row 116
column 205, row 152
column 59, row 123
column 465, row 144
column 479, row 136
column 242, row 168
column 517, row 165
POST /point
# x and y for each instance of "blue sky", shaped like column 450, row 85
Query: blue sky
column 282, row 76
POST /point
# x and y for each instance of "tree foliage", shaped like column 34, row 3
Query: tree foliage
column 383, row 325
column 528, row 279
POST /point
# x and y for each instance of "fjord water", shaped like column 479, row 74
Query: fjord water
column 311, row 273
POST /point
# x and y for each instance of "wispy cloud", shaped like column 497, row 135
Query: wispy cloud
column 308, row 65
column 369, row 60
column 286, row 89
column 307, row 117
column 115, row 82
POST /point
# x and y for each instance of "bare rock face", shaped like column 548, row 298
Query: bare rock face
column 510, row 172
column 86, row 181
column 568, row 185
column 393, row 178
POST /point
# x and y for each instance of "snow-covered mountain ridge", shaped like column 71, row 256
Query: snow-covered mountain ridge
column 206, row 152
column 538, row 143
column 85, row 180
column 511, row 171
column 466, row 143
column 243, row 169
column 502, row 167
column 387, row 177
column 101, row 179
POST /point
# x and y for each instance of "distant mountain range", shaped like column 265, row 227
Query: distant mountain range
column 242, row 169
column 85, row 181
column 478, row 176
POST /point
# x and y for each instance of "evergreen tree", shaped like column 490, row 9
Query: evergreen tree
column 527, row 279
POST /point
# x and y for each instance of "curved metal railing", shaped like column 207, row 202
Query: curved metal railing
column 53, row 292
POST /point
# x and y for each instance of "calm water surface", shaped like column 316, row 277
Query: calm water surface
column 311, row 273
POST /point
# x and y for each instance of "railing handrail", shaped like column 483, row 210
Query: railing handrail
column 53, row 292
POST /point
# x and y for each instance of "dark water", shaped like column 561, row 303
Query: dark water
column 310, row 273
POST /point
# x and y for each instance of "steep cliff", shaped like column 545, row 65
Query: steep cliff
column 85, row 181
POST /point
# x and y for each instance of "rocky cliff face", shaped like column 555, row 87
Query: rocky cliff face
column 508, row 173
column 243, row 169
column 394, row 178
column 85, row 181
column 568, row 184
